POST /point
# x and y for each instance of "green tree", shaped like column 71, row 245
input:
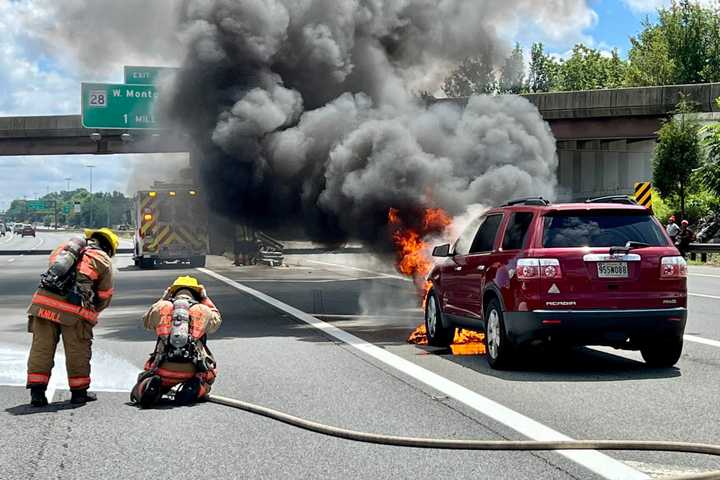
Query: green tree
column 682, row 47
column 649, row 61
column 710, row 171
column 543, row 70
column 512, row 74
column 474, row 76
column 677, row 155
column 588, row 69
column 685, row 25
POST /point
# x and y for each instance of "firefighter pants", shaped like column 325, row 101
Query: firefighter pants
column 173, row 374
column 77, row 342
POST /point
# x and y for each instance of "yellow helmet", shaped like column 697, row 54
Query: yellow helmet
column 106, row 234
column 188, row 282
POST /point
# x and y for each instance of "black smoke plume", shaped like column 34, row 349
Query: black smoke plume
column 303, row 113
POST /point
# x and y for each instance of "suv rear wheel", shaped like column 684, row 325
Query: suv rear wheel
column 662, row 353
column 497, row 345
column 437, row 334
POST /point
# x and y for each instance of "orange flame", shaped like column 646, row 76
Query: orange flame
column 413, row 253
column 466, row 342
column 414, row 260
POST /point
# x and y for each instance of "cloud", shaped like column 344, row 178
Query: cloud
column 28, row 84
column 651, row 6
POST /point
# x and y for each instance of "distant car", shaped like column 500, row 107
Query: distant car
column 18, row 228
column 27, row 231
column 531, row 272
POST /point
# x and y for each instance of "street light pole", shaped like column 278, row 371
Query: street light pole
column 91, row 193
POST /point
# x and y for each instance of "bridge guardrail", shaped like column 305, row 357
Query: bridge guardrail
column 703, row 249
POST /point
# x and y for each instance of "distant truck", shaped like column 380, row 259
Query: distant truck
column 172, row 226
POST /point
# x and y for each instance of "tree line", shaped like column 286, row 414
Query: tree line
column 99, row 210
column 681, row 47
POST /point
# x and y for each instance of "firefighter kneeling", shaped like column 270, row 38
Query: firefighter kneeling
column 182, row 318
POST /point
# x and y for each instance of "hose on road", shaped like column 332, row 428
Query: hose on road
column 506, row 445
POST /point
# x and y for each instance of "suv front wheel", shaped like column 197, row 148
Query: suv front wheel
column 497, row 344
column 437, row 334
column 662, row 353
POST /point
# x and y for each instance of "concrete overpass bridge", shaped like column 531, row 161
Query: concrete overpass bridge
column 605, row 138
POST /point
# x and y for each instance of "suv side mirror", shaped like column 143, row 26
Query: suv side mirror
column 441, row 250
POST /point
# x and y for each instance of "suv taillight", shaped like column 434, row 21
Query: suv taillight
column 530, row 268
column 673, row 267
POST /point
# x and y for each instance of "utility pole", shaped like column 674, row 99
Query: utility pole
column 91, row 193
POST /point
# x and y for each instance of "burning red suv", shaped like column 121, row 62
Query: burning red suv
column 530, row 272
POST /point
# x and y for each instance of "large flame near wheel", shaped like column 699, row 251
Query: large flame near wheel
column 414, row 260
column 466, row 342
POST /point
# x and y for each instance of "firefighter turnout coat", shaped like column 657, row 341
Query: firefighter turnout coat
column 204, row 318
column 52, row 315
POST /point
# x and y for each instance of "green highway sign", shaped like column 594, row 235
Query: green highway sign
column 111, row 105
column 146, row 75
column 40, row 205
column 66, row 208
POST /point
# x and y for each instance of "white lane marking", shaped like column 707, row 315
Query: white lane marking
column 360, row 317
column 305, row 280
column 384, row 275
column 703, row 295
column 704, row 341
column 40, row 242
column 594, row 461
column 703, row 275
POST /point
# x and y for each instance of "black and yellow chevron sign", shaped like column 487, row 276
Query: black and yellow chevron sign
column 643, row 194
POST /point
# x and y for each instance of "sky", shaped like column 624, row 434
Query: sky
column 41, row 75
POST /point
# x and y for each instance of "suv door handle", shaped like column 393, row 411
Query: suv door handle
column 457, row 269
column 481, row 268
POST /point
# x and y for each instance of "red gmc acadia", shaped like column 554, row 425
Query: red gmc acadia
column 530, row 272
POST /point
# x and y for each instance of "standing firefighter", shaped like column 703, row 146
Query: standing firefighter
column 76, row 287
column 182, row 318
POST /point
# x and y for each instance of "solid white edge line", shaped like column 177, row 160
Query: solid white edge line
column 703, row 275
column 703, row 295
column 592, row 460
column 704, row 341
column 386, row 275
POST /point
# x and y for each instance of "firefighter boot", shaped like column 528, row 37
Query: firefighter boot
column 147, row 391
column 82, row 396
column 37, row 397
column 187, row 392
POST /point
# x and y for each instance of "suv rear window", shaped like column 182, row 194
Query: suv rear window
column 597, row 228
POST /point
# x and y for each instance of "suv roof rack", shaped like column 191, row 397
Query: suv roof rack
column 622, row 199
column 540, row 201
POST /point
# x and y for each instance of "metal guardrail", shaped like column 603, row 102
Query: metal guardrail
column 703, row 249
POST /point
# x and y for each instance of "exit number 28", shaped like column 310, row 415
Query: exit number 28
column 98, row 98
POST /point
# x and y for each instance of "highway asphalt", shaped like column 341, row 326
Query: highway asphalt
column 269, row 353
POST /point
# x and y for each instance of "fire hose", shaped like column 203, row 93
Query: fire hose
column 506, row 445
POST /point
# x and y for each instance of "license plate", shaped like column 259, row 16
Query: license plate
column 612, row 270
